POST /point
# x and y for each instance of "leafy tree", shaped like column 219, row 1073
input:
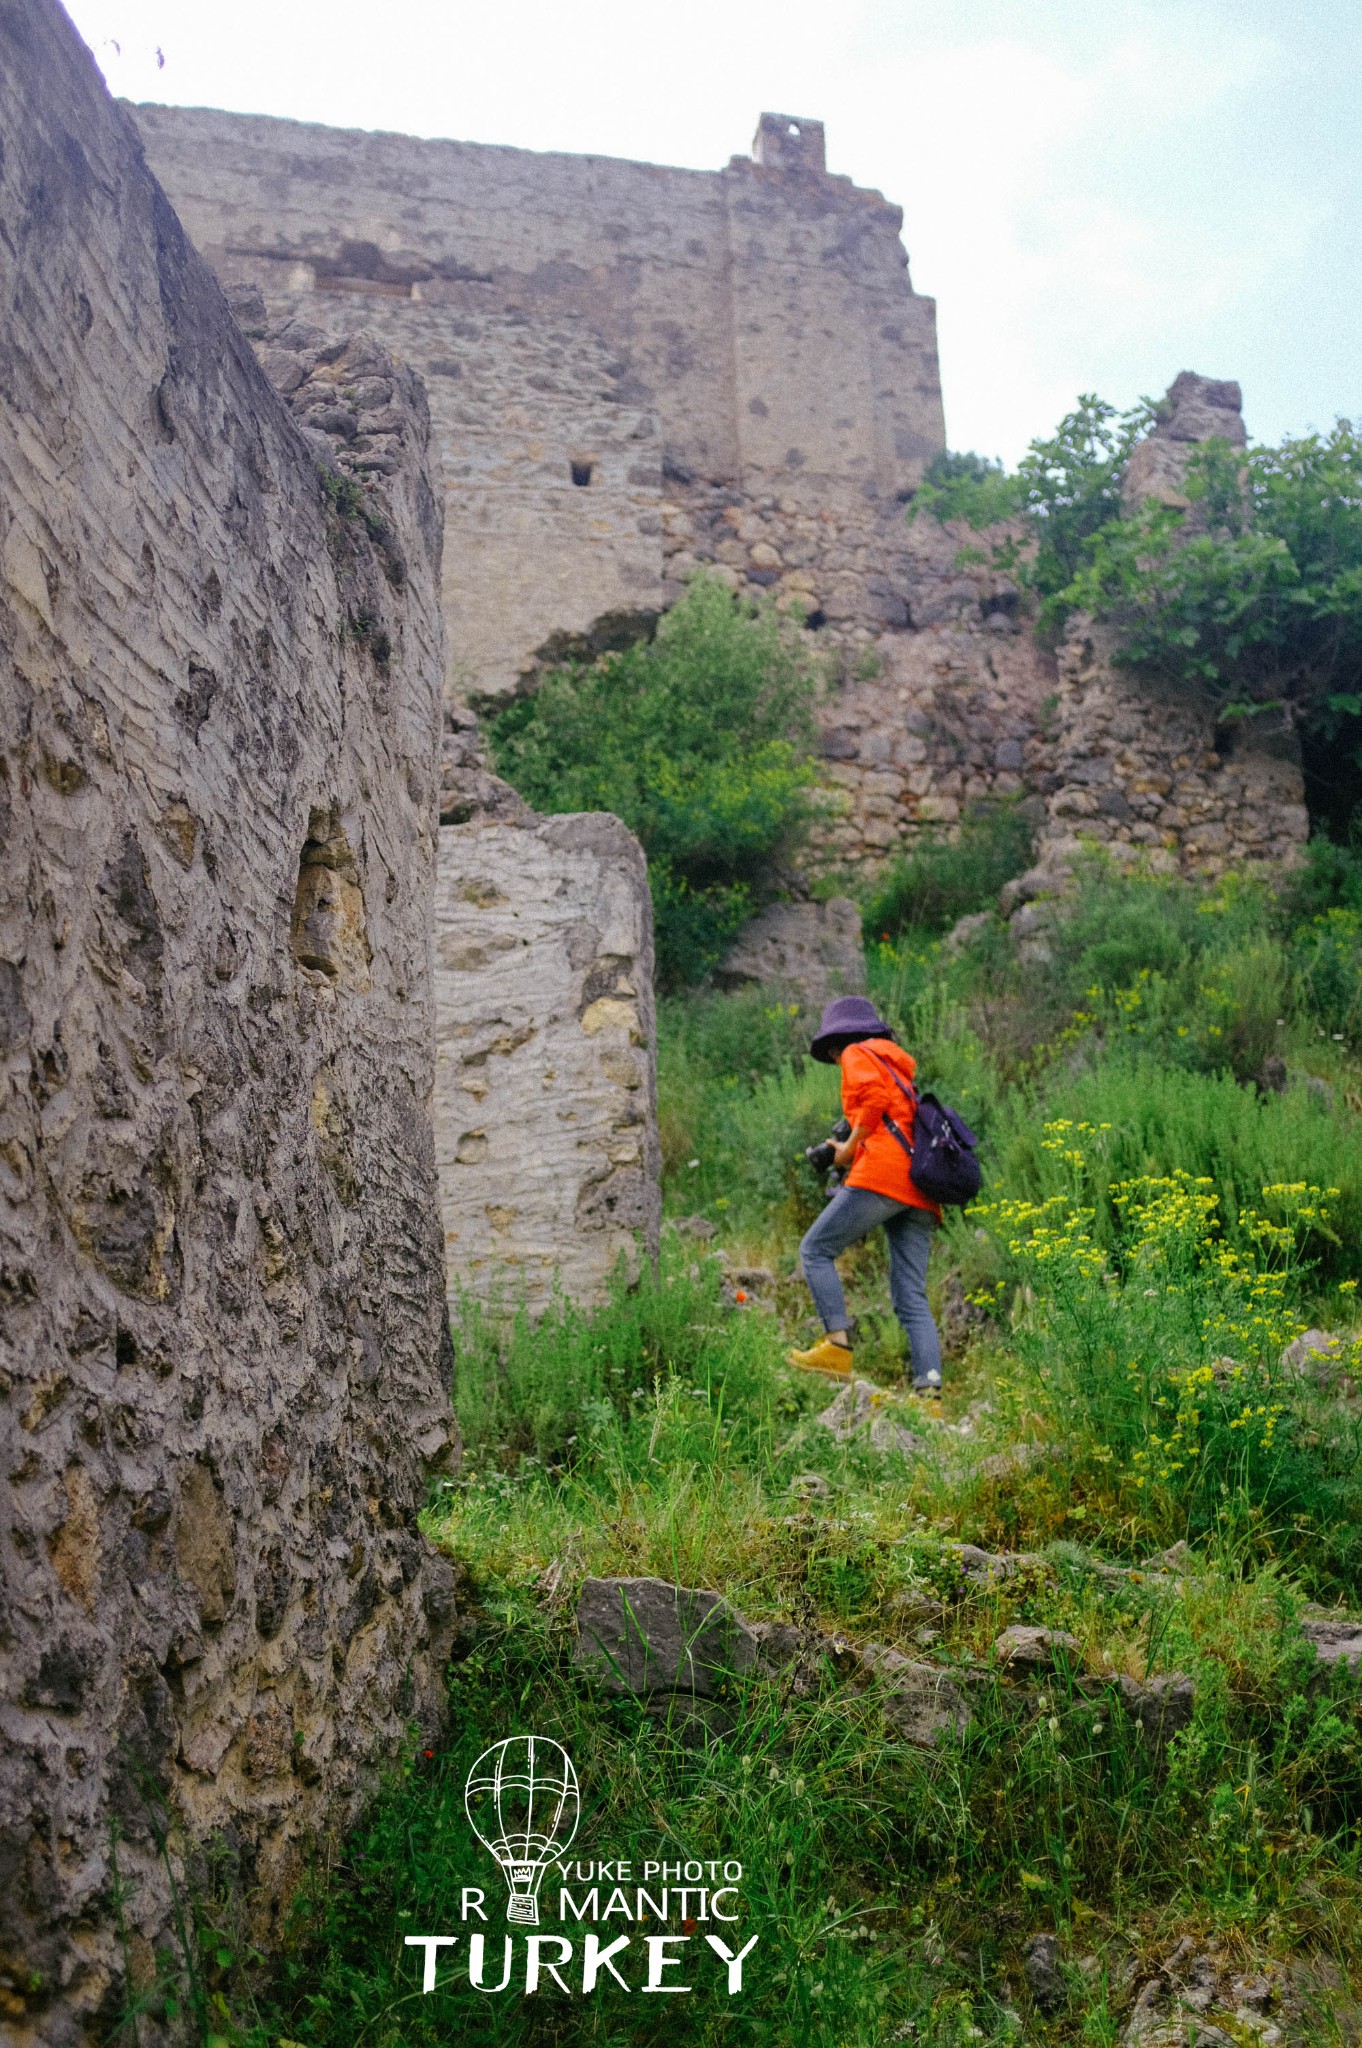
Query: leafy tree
column 700, row 741
column 1065, row 489
column 1071, row 489
column 1253, row 597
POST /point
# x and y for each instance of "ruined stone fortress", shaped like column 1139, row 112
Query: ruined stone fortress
column 635, row 371
column 310, row 444
column 594, row 336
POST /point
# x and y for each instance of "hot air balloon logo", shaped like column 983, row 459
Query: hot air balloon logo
column 523, row 1804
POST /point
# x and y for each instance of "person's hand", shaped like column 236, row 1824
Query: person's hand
column 843, row 1154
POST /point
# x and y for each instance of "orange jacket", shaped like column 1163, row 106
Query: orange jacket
column 868, row 1096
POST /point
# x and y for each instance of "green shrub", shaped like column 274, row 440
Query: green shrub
column 1249, row 596
column 1329, row 878
column 970, row 487
column 1160, row 1350
column 700, row 741
column 1257, row 606
column 1071, row 489
column 1146, row 1117
column 943, row 879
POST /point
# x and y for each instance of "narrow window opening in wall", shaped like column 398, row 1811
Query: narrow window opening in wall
column 792, row 128
column 816, row 618
column 581, row 473
column 1224, row 741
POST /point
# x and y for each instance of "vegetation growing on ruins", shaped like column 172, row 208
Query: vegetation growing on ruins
column 946, row 877
column 1249, row 595
column 1254, row 596
column 1066, row 489
column 700, row 740
column 1158, row 1223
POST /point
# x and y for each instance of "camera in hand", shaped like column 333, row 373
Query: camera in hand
column 820, row 1156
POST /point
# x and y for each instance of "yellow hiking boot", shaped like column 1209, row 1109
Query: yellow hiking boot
column 825, row 1357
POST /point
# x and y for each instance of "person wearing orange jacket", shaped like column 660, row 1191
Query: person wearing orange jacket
column 877, row 1193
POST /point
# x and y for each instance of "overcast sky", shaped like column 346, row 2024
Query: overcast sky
column 1098, row 193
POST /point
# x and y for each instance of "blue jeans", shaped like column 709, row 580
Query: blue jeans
column 851, row 1215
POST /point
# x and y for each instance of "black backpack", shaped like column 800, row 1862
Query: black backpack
column 941, row 1161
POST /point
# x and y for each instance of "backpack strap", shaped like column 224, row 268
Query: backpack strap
column 905, row 1089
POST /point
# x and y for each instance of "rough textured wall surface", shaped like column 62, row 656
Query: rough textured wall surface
column 545, row 1094
column 552, row 475
column 220, row 1276
column 1195, row 409
column 757, row 330
column 944, row 697
column 754, row 326
column 1148, row 768
column 808, row 950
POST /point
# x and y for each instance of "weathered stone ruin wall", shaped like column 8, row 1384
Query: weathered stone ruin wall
column 1194, row 410
column 753, row 327
column 546, row 1099
column 944, row 698
column 738, row 364
column 1141, row 767
column 536, row 1192
column 220, row 1275
column 1148, row 768
column 519, row 408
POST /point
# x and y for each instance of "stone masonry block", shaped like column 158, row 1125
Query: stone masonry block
column 546, row 1100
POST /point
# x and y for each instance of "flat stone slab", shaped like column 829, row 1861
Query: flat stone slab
column 646, row 1636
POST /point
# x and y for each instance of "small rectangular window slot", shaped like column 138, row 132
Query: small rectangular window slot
column 581, row 473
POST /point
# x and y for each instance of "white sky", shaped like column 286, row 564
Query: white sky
column 1099, row 193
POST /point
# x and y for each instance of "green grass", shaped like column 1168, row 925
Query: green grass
column 886, row 1885
column 892, row 1890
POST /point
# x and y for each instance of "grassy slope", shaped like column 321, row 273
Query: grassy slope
column 893, row 1889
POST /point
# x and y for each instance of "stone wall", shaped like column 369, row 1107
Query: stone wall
column 943, row 697
column 552, row 477
column 546, row 1097
column 1138, row 766
column 941, row 694
column 1147, row 768
column 735, row 368
column 753, row 327
column 219, row 1240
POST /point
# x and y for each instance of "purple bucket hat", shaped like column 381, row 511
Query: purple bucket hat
column 847, row 1017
